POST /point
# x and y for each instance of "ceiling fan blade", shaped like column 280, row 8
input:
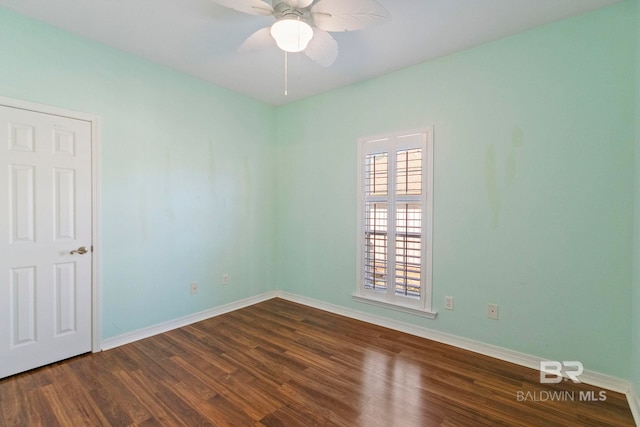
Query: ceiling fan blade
column 351, row 15
column 298, row 4
column 261, row 39
column 323, row 48
column 252, row 7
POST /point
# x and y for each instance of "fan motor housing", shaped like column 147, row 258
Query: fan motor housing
column 283, row 10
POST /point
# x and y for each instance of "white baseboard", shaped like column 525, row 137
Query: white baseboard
column 160, row 328
column 634, row 404
column 522, row 359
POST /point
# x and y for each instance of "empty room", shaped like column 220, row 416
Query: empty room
column 320, row 212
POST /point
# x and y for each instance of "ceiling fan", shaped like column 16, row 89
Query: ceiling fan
column 304, row 25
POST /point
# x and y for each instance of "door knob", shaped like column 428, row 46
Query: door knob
column 81, row 250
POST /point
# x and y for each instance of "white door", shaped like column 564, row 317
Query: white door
column 45, row 222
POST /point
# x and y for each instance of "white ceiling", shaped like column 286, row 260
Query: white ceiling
column 200, row 38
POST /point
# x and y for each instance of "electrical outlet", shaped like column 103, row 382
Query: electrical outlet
column 225, row 279
column 493, row 311
column 194, row 288
column 448, row 303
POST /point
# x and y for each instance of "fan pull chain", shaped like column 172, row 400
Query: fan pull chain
column 286, row 73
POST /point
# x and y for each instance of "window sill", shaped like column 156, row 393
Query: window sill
column 402, row 308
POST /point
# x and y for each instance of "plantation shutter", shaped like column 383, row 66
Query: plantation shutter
column 394, row 201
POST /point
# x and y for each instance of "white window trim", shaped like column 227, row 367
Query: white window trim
column 423, row 306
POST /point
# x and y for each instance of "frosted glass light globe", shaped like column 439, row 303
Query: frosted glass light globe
column 292, row 35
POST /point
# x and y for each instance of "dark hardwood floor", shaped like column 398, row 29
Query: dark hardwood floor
column 282, row 364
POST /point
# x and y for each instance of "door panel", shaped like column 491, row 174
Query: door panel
column 65, row 297
column 64, row 204
column 45, row 214
column 22, row 203
column 23, row 308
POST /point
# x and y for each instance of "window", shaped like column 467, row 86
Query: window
column 395, row 176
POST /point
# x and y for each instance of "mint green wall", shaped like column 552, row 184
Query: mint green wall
column 187, row 173
column 635, row 358
column 534, row 141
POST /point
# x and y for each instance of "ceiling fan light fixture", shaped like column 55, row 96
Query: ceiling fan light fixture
column 292, row 34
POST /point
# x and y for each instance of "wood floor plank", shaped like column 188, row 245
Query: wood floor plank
column 39, row 411
column 248, row 394
column 162, row 415
column 283, row 364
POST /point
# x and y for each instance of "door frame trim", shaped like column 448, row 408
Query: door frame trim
column 94, row 120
